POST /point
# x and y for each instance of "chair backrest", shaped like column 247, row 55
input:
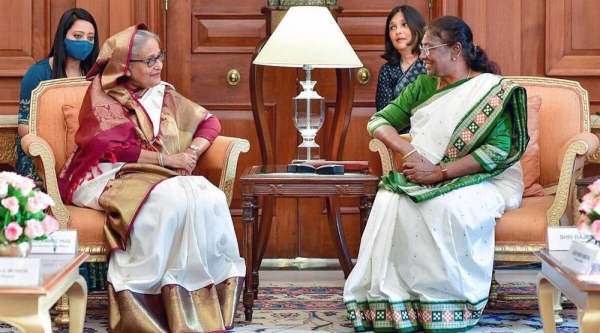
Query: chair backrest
column 47, row 119
column 563, row 113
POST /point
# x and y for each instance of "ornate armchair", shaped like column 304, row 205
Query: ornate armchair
column 564, row 142
column 54, row 108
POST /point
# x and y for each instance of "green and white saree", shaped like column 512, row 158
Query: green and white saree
column 426, row 255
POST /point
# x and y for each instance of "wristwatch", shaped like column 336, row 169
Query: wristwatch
column 195, row 149
column 444, row 169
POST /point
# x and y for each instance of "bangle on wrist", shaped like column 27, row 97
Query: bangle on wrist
column 160, row 160
column 444, row 169
column 409, row 153
column 195, row 148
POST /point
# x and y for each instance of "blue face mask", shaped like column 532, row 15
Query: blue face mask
column 78, row 49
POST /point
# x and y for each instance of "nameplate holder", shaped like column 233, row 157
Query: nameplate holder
column 20, row 272
column 560, row 238
column 581, row 257
column 62, row 241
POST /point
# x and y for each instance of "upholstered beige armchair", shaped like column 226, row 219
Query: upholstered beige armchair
column 53, row 121
column 564, row 142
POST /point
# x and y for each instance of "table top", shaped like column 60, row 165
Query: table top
column 279, row 173
column 54, row 268
column 583, row 282
column 586, row 181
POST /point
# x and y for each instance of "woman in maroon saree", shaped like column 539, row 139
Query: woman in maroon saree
column 174, row 263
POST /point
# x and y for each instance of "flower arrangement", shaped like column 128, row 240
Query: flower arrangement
column 22, row 210
column 589, row 208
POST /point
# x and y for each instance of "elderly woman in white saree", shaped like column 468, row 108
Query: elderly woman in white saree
column 174, row 262
column 426, row 255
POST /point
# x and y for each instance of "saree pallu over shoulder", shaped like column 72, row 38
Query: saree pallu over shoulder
column 472, row 130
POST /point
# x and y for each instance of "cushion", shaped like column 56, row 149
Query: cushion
column 511, row 229
column 71, row 117
column 531, row 159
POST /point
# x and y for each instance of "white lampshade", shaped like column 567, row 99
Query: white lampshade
column 308, row 35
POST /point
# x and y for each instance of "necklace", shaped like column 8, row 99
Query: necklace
column 439, row 83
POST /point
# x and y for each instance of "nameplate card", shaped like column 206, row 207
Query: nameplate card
column 19, row 272
column 61, row 241
column 560, row 238
column 581, row 257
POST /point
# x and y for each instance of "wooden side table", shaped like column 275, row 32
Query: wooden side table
column 273, row 181
column 27, row 308
column 582, row 185
column 582, row 290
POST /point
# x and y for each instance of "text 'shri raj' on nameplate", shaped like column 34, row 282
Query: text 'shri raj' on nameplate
column 19, row 272
column 560, row 238
column 62, row 241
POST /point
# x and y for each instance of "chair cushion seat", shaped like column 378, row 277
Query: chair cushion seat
column 89, row 224
column 526, row 225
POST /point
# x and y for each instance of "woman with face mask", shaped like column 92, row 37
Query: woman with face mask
column 73, row 53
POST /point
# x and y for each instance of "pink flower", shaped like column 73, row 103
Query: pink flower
column 13, row 231
column 583, row 221
column 39, row 201
column 34, row 229
column 586, row 204
column 3, row 189
column 24, row 184
column 595, row 229
column 595, row 188
column 50, row 224
column 12, row 204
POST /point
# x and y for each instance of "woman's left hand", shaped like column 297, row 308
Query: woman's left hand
column 183, row 172
column 421, row 171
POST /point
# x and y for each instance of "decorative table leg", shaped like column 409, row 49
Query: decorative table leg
column 589, row 321
column 336, row 229
column 546, row 293
column 248, row 205
column 78, row 300
column 263, row 236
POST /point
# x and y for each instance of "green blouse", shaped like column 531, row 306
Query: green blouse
column 496, row 146
column 397, row 114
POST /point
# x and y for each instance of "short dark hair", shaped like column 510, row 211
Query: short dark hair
column 416, row 24
column 452, row 30
column 58, row 47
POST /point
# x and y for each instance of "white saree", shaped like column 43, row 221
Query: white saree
column 183, row 234
column 427, row 266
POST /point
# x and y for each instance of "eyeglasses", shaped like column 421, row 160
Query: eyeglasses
column 425, row 49
column 152, row 60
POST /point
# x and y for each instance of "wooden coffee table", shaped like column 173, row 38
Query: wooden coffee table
column 27, row 308
column 582, row 290
column 274, row 182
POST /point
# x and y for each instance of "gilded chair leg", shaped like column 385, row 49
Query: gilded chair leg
column 558, row 319
column 493, row 297
column 62, row 311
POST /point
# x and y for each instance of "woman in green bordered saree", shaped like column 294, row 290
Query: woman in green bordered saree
column 426, row 256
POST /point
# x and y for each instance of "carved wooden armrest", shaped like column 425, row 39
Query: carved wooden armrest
column 390, row 160
column 570, row 162
column 223, row 155
column 39, row 149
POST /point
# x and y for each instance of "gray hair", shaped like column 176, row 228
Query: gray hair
column 141, row 37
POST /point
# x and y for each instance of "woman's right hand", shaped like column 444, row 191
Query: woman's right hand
column 182, row 161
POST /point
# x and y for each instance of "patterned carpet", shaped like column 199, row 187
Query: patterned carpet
column 293, row 308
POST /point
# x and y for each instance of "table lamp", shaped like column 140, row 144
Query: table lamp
column 308, row 37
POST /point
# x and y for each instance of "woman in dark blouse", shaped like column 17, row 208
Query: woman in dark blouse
column 403, row 34
column 73, row 53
